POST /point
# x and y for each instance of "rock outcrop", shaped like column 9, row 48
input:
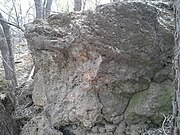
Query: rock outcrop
column 103, row 72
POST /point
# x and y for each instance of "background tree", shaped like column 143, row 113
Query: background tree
column 43, row 8
column 176, row 100
column 7, row 52
column 77, row 5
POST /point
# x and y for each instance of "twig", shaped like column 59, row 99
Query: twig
column 165, row 118
column 2, row 20
column 17, row 17
column 7, row 64
column 31, row 74
column 9, row 15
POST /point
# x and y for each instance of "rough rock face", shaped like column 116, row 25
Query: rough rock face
column 106, row 72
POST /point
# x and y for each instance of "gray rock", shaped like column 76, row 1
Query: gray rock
column 38, row 126
column 110, row 128
column 95, row 129
column 91, row 66
column 101, row 129
column 117, row 119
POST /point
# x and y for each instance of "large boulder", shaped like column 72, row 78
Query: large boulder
column 101, row 72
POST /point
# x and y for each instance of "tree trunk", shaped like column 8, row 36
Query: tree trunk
column 176, row 100
column 84, row 4
column 43, row 8
column 48, row 8
column 6, row 122
column 7, row 53
column 77, row 5
column 39, row 8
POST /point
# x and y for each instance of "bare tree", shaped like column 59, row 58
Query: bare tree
column 38, row 7
column 47, row 8
column 43, row 8
column 77, row 5
column 97, row 2
column 84, row 4
column 7, row 53
column 176, row 100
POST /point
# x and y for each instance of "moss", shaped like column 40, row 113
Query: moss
column 165, row 97
column 164, row 104
column 162, row 75
column 151, row 103
column 160, row 78
column 136, row 100
column 134, row 118
column 141, row 84
column 124, row 94
column 135, row 86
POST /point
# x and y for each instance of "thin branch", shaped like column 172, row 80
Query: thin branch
column 17, row 17
column 29, row 9
column 165, row 118
column 2, row 20
column 31, row 74
column 8, row 14
column 7, row 64
column 84, row 5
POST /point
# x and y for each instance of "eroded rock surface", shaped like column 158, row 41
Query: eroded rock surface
column 105, row 72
